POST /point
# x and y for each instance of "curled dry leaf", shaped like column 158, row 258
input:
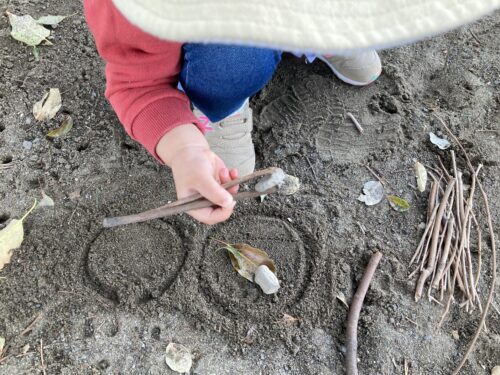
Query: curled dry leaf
column 341, row 297
column 65, row 127
column 11, row 237
column 246, row 259
column 50, row 20
column 421, row 174
column 27, row 30
column 178, row 358
column 399, row 204
column 442, row 143
column 373, row 193
column 47, row 108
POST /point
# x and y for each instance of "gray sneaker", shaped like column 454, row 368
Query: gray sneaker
column 358, row 69
column 231, row 139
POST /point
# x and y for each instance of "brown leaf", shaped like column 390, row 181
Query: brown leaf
column 246, row 259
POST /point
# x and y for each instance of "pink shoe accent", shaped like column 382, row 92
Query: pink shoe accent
column 205, row 123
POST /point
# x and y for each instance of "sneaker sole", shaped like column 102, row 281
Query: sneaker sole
column 348, row 80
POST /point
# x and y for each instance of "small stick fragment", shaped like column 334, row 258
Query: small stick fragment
column 31, row 325
column 356, row 123
column 353, row 316
column 381, row 180
column 42, row 357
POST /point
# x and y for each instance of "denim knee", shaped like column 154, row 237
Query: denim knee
column 219, row 78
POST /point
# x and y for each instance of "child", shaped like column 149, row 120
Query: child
column 212, row 144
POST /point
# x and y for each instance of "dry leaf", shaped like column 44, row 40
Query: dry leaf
column 246, row 259
column 178, row 358
column 47, row 108
column 455, row 335
column 27, row 30
column 399, row 204
column 2, row 345
column 11, row 237
column 50, row 20
column 288, row 319
column 25, row 349
column 46, row 201
column 341, row 297
column 65, row 127
column 442, row 143
column 421, row 174
column 373, row 193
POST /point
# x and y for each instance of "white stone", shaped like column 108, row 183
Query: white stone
column 266, row 279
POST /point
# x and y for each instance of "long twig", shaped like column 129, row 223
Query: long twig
column 353, row 317
column 189, row 203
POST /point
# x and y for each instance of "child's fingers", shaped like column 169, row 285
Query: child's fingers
column 213, row 191
column 212, row 216
column 225, row 175
column 233, row 174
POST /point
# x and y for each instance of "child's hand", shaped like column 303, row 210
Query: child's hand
column 197, row 169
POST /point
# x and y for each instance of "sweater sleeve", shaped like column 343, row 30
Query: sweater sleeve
column 141, row 75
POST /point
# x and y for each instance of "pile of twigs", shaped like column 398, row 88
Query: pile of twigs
column 444, row 255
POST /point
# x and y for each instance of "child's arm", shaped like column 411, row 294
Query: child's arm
column 141, row 80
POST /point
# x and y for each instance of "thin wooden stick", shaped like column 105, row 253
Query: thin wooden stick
column 445, row 253
column 353, row 316
column 42, row 357
column 479, row 249
column 380, row 179
column 435, row 237
column 432, row 199
column 424, row 236
column 356, row 123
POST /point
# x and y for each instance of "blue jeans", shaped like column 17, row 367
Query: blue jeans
column 219, row 78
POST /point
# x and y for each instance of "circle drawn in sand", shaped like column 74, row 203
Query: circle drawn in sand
column 135, row 263
column 232, row 294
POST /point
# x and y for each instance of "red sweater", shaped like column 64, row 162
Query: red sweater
column 141, row 75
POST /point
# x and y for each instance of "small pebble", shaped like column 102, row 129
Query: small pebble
column 27, row 145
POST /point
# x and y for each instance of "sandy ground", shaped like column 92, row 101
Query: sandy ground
column 109, row 301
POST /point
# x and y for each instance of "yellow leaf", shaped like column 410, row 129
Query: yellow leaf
column 421, row 174
column 65, row 127
column 399, row 204
column 11, row 237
